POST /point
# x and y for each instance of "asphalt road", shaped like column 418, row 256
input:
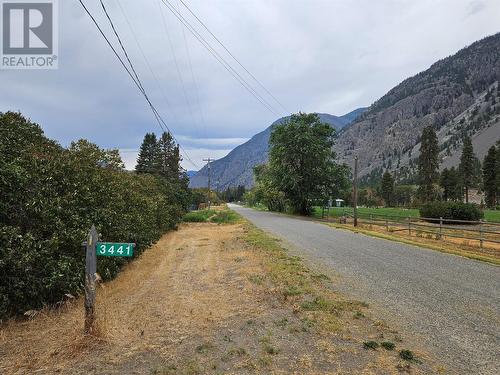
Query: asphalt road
column 449, row 304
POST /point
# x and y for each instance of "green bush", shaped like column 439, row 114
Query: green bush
column 225, row 217
column 200, row 216
column 452, row 210
column 52, row 195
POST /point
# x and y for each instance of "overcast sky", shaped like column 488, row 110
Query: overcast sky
column 327, row 56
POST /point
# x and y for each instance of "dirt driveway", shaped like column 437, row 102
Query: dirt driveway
column 203, row 300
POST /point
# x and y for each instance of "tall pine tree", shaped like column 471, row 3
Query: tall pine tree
column 147, row 161
column 428, row 164
column 387, row 188
column 450, row 183
column 489, row 177
column 169, row 159
column 467, row 166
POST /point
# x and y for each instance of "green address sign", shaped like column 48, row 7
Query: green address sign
column 109, row 249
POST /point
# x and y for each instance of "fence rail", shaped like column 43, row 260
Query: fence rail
column 478, row 231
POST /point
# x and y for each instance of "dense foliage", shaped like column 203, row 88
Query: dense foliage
column 489, row 177
column 50, row 198
column 428, row 164
column 451, row 210
column 302, row 171
column 302, row 162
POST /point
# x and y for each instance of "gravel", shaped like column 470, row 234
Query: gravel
column 448, row 304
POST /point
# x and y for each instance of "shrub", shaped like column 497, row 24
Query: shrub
column 452, row 210
column 51, row 196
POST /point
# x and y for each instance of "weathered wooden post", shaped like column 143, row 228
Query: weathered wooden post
column 440, row 228
column 90, row 278
column 409, row 225
column 387, row 224
column 481, row 233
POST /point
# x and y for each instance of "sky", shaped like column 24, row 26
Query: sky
column 329, row 56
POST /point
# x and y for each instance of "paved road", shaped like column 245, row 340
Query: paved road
column 449, row 303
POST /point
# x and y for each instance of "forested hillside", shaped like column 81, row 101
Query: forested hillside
column 457, row 96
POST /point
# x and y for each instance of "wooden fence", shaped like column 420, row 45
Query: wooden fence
column 479, row 232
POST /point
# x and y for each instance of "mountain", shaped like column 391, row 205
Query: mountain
column 191, row 173
column 237, row 167
column 457, row 95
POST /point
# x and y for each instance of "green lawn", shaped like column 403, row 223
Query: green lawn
column 489, row 215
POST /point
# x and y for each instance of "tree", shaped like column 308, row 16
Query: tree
column 428, row 164
column 450, row 183
column 265, row 191
column 387, row 188
column 302, row 161
column 467, row 167
column 147, row 161
column 497, row 169
column 169, row 157
column 489, row 177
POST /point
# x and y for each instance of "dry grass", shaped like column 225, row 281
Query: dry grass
column 188, row 305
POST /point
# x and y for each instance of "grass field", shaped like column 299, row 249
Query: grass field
column 489, row 215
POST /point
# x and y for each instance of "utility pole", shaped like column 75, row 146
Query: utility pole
column 208, row 160
column 355, row 185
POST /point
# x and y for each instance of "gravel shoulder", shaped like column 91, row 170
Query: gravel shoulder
column 449, row 304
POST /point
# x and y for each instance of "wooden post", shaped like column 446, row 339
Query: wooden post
column 409, row 225
column 90, row 275
column 440, row 228
column 387, row 224
column 355, row 184
column 481, row 233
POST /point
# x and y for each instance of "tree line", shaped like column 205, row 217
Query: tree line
column 451, row 184
column 302, row 172
column 51, row 196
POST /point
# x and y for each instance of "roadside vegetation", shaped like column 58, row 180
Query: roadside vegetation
column 52, row 195
column 218, row 216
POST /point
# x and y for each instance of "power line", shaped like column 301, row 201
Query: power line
column 179, row 74
column 192, row 72
column 155, row 77
column 235, row 59
column 219, row 58
column 134, row 75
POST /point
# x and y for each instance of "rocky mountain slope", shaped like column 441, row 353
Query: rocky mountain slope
column 237, row 167
column 457, row 95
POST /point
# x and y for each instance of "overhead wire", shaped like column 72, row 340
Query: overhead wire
column 132, row 73
column 230, row 54
column 219, row 58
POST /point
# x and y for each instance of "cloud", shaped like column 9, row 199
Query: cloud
column 319, row 56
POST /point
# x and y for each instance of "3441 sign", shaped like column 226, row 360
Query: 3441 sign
column 110, row 249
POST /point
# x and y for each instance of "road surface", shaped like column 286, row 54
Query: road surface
column 448, row 303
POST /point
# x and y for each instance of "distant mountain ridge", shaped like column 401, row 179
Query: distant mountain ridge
column 237, row 167
column 457, row 95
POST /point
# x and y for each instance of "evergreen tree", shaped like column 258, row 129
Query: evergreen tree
column 450, row 183
column 169, row 157
column 497, row 170
column 444, row 182
column 387, row 188
column 467, row 167
column 489, row 177
column 428, row 164
column 147, row 161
